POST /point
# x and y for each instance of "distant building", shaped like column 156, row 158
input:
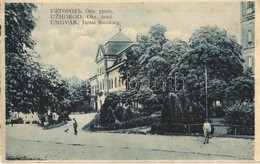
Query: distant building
column 109, row 58
column 248, row 33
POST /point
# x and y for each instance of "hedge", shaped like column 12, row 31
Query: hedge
column 138, row 122
column 177, row 128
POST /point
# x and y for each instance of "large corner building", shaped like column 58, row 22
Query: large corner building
column 248, row 33
column 109, row 58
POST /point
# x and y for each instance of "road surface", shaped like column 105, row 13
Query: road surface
column 55, row 144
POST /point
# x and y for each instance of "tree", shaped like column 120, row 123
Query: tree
column 20, row 64
column 107, row 114
column 146, row 97
column 241, row 88
column 172, row 111
column 30, row 86
column 217, row 52
column 151, row 63
column 79, row 96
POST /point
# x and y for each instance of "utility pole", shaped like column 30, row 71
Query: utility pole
column 175, row 81
column 206, row 89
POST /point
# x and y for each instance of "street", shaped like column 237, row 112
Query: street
column 55, row 144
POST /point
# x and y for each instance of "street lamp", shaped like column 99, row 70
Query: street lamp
column 206, row 90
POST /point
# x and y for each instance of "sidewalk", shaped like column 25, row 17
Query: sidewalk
column 145, row 130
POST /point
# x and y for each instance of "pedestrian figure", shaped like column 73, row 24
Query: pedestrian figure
column 206, row 130
column 75, row 125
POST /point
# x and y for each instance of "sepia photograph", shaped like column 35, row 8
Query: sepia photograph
column 128, row 81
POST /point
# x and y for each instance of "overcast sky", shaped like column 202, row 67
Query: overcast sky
column 72, row 48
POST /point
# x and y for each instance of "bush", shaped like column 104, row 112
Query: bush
column 176, row 128
column 240, row 118
column 35, row 122
column 128, row 114
column 119, row 113
column 17, row 121
column 27, row 122
column 137, row 122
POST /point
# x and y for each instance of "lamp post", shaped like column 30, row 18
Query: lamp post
column 206, row 90
column 175, row 81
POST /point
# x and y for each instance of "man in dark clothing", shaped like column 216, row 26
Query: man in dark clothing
column 75, row 125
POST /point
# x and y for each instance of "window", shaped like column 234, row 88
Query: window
column 250, row 61
column 249, row 7
column 119, row 82
column 115, row 82
column 249, row 36
column 111, row 83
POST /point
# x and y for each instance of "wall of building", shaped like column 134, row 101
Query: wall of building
column 116, row 84
column 248, row 33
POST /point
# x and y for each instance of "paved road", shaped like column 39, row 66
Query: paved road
column 54, row 144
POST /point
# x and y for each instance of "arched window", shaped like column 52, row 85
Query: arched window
column 250, row 61
column 249, row 7
column 115, row 82
column 119, row 82
column 249, row 36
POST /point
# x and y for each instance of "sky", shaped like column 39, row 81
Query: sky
column 72, row 48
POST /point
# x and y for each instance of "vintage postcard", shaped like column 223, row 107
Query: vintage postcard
column 129, row 81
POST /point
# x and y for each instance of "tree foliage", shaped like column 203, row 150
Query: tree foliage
column 242, row 116
column 80, row 96
column 151, row 63
column 30, row 86
column 215, row 53
column 218, row 51
column 241, row 88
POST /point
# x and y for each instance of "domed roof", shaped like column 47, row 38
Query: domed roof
column 119, row 37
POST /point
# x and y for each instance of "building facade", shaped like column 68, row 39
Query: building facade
column 109, row 58
column 248, row 33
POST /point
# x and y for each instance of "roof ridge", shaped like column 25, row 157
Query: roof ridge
column 119, row 37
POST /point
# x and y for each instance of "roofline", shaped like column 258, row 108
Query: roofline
column 134, row 43
column 119, row 41
column 100, row 47
column 116, row 66
column 93, row 77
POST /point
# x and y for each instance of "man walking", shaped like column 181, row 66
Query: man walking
column 206, row 130
column 75, row 125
